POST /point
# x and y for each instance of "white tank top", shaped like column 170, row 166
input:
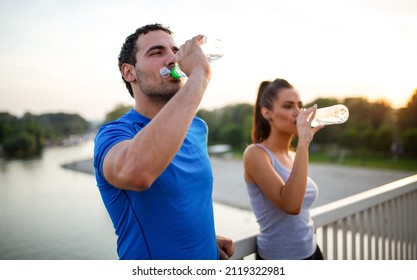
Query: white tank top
column 283, row 236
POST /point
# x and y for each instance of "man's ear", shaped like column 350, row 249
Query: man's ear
column 128, row 72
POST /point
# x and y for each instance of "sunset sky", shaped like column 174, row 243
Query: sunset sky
column 61, row 56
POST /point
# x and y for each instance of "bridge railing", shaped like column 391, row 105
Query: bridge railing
column 376, row 224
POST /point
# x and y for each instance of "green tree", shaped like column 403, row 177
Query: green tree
column 26, row 137
column 350, row 138
column 21, row 145
column 117, row 112
column 383, row 139
column 380, row 112
column 9, row 125
column 231, row 134
column 33, row 127
column 62, row 125
column 407, row 116
column 406, row 125
column 360, row 115
column 409, row 139
column 213, row 121
column 229, row 125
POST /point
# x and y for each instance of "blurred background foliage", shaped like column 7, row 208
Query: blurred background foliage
column 374, row 132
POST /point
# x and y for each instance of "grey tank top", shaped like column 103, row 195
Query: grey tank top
column 283, row 236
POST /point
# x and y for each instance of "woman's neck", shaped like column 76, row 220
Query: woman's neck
column 280, row 144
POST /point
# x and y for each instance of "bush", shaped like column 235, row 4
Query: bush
column 21, row 145
column 409, row 138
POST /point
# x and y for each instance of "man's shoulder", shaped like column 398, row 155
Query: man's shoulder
column 130, row 121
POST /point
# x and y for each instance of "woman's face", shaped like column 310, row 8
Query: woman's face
column 284, row 111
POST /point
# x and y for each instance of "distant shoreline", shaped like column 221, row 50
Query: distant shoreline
column 85, row 166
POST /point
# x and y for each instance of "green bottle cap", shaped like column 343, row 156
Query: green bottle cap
column 176, row 73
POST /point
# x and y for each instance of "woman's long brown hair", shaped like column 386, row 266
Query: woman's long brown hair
column 267, row 93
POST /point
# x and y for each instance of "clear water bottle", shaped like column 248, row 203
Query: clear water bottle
column 335, row 114
column 212, row 48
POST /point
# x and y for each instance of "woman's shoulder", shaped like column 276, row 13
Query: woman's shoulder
column 254, row 151
column 250, row 149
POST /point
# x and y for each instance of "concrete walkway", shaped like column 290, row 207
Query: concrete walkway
column 334, row 181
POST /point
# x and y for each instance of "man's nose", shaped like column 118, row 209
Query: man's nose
column 171, row 60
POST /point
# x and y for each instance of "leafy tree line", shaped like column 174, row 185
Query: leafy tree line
column 27, row 136
column 229, row 125
column 372, row 126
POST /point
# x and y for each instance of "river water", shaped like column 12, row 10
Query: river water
column 48, row 212
column 51, row 213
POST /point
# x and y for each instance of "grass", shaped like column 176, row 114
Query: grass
column 367, row 160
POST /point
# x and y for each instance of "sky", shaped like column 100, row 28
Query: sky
column 61, row 56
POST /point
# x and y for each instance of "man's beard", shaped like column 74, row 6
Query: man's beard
column 156, row 91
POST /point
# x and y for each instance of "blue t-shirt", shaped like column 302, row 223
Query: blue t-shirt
column 173, row 219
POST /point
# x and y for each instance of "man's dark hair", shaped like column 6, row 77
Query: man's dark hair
column 128, row 51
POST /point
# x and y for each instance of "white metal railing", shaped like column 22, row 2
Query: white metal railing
column 376, row 224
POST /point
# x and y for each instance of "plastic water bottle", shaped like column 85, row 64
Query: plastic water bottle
column 335, row 114
column 212, row 48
